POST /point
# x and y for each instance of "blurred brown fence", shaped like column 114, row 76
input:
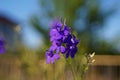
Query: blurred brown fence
column 106, row 67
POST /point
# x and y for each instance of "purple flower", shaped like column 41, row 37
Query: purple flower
column 51, row 57
column 63, row 41
column 56, row 24
column 71, row 46
column 66, row 30
column 2, row 46
column 57, row 46
column 2, row 50
column 54, row 35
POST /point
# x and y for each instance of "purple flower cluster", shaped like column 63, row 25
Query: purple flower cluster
column 63, row 41
column 2, row 46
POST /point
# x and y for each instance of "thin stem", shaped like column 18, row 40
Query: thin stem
column 54, row 72
column 45, row 75
column 84, row 69
column 64, row 75
column 73, row 72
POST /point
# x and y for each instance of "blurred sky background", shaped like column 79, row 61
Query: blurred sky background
column 95, row 22
column 21, row 10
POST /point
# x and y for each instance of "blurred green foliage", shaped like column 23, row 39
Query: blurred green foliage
column 25, row 64
column 86, row 12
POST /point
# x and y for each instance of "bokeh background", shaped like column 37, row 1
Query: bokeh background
column 24, row 24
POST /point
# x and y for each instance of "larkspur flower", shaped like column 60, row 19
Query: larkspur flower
column 55, row 35
column 57, row 46
column 56, row 24
column 63, row 41
column 2, row 46
column 71, row 46
column 51, row 57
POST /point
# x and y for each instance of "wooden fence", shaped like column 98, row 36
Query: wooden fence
column 106, row 67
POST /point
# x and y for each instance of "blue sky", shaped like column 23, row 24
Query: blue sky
column 19, row 8
column 23, row 9
column 112, row 23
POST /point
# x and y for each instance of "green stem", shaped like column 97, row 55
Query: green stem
column 73, row 72
column 84, row 69
column 54, row 72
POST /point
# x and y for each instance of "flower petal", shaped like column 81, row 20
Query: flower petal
column 56, row 56
column 62, row 49
column 66, row 30
column 53, row 32
column 2, row 50
column 52, row 60
column 67, row 54
column 48, row 59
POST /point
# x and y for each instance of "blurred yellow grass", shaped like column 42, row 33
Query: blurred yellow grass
column 28, row 66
